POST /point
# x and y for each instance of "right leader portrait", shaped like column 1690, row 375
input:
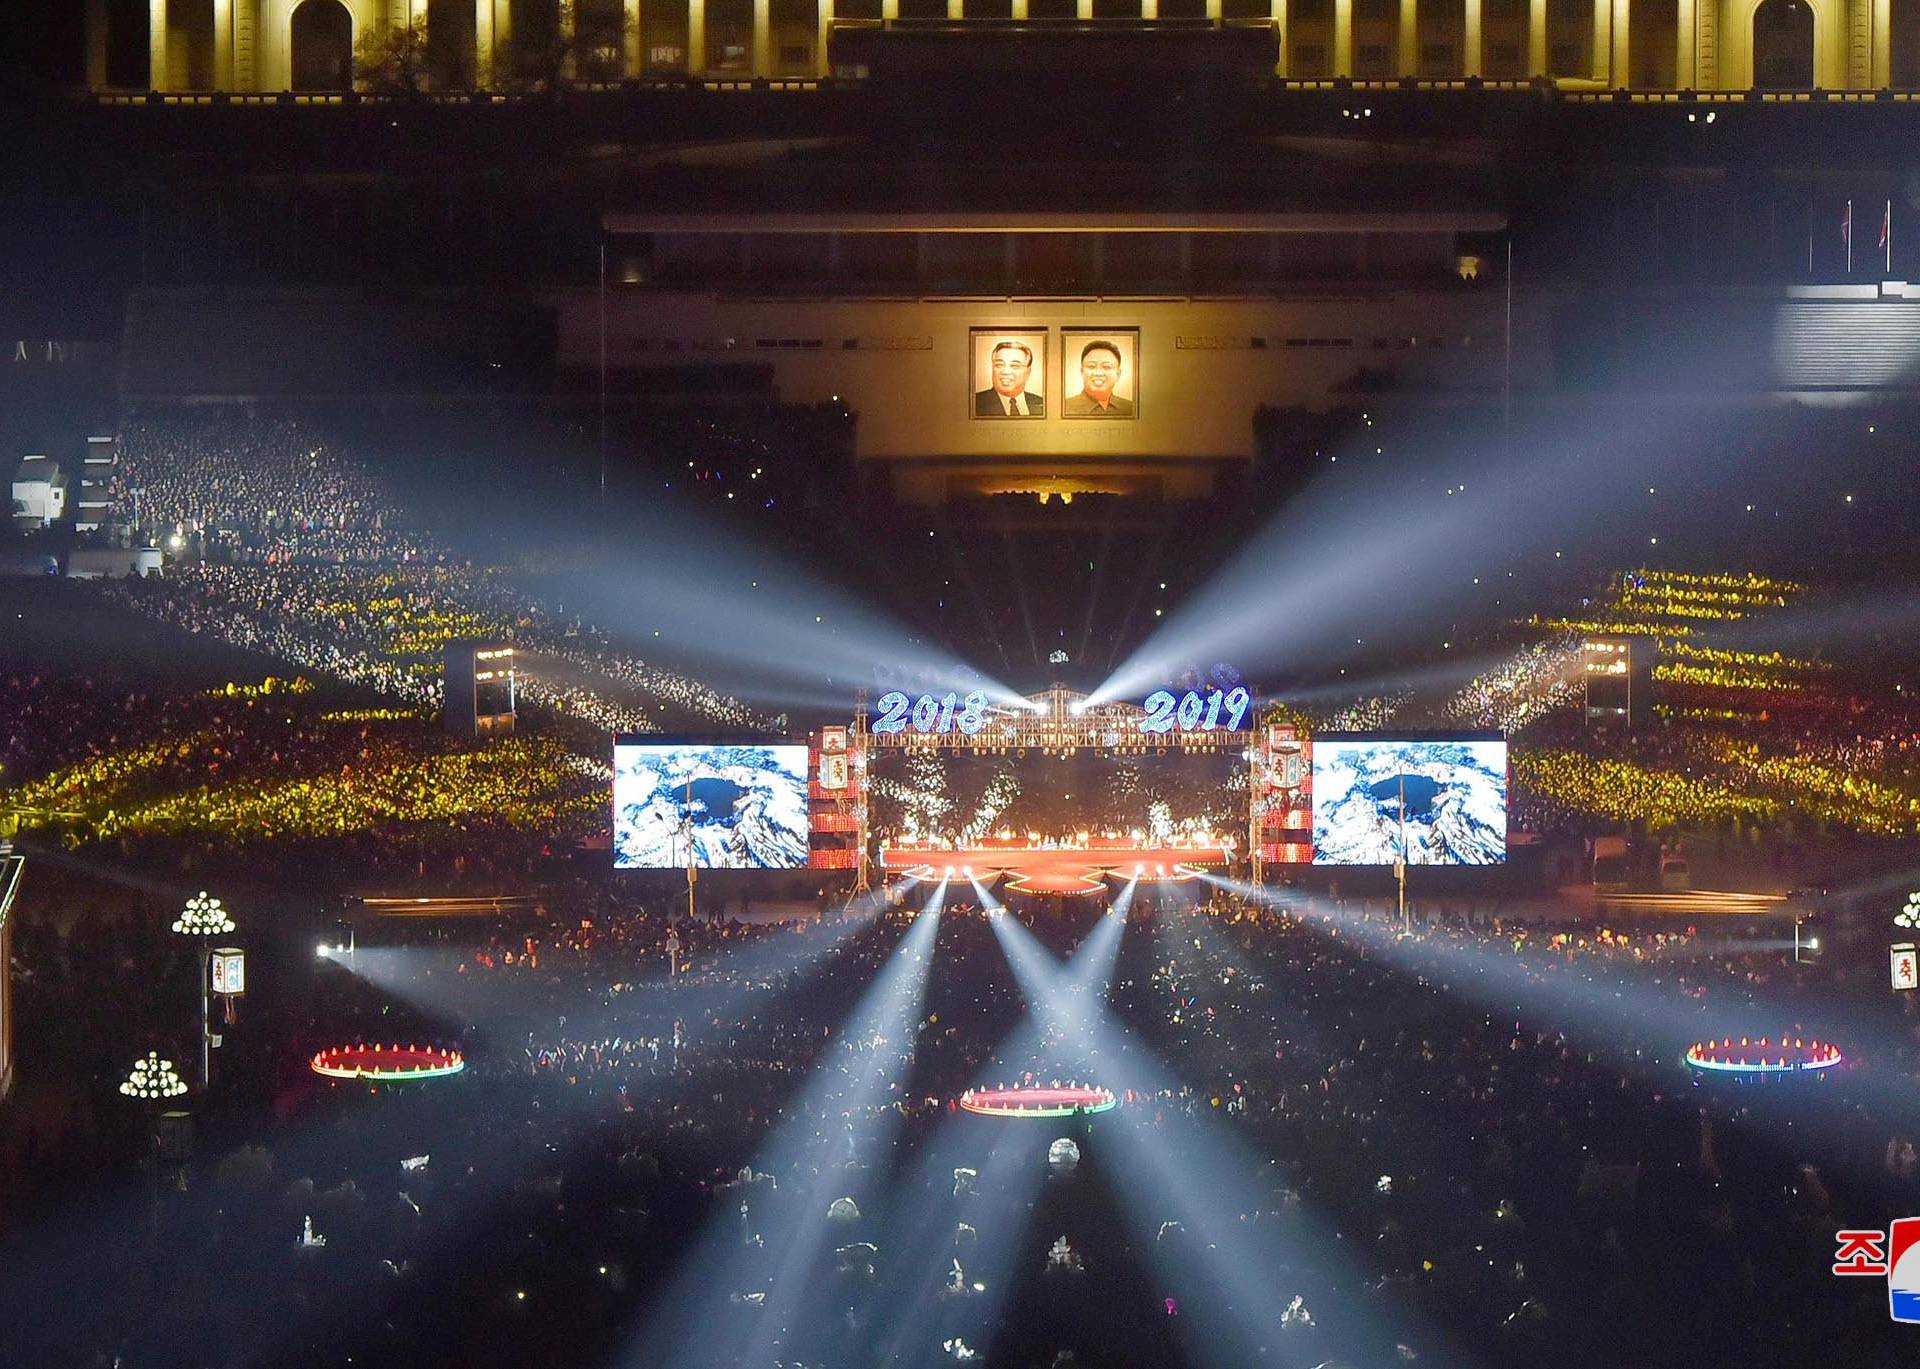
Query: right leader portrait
column 1098, row 372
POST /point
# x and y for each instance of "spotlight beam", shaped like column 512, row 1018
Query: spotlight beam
column 925, row 1230
column 417, row 977
column 1209, row 1180
column 1296, row 591
column 1604, row 1013
column 792, row 634
column 1606, row 1016
column 1007, row 1183
column 696, row 1321
column 1091, row 969
column 309, row 1149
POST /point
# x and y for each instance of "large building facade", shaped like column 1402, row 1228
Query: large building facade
column 322, row 45
column 1057, row 354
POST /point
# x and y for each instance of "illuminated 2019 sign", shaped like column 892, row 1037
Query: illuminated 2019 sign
column 1196, row 712
column 930, row 713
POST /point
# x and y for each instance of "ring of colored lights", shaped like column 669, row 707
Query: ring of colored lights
column 1069, row 1101
column 387, row 1064
column 1762, row 1056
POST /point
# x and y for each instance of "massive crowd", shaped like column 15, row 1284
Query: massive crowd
column 1466, row 1140
column 287, row 539
column 386, row 629
column 256, row 488
column 279, row 511
column 1513, row 1174
column 331, row 795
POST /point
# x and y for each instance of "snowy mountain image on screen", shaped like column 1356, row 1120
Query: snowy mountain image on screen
column 1456, row 798
column 740, row 807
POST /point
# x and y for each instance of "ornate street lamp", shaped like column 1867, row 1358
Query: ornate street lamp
column 205, row 918
column 153, row 1081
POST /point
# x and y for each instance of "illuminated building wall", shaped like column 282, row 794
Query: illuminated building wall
column 897, row 317
column 277, row 45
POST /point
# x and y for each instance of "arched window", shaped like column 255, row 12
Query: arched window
column 1783, row 45
column 322, row 41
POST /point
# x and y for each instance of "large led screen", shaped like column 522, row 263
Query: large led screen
column 713, row 806
column 1455, row 800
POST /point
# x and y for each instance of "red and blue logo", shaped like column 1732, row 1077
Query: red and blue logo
column 1903, row 1269
column 1893, row 1254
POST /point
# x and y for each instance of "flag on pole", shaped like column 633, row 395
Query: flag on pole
column 1886, row 235
column 1846, row 233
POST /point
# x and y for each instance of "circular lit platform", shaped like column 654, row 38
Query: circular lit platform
column 387, row 1064
column 1762, row 1057
column 1060, row 1101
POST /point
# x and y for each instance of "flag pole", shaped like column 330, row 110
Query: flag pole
column 1886, row 231
column 1849, row 237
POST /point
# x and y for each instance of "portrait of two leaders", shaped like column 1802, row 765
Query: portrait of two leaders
column 1012, row 365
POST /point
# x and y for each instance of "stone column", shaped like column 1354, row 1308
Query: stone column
column 1406, row 45
column 1622, row 62
column 1082, row 9
column 1882, row 60
column 1684, row 75
column 822, row 65
column 1470, row 59
column 246, row 44
column 1602, row 67
column 1343, row 37
column 1277, row 11
column 223, row 44
column 483, row 75
column 633, row 38
column 697, row 37
column 493, row 42
column 762, row 39
column 1213, row 10
column 1706, row 43
column 1536, row 37
column 157, row 75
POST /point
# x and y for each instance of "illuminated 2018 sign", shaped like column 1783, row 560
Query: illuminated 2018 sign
column 930, row 713
column 1196, row 712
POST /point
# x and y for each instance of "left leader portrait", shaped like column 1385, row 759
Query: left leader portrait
column 1009, row 373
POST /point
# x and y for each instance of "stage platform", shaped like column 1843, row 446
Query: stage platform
column 1057, row 870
